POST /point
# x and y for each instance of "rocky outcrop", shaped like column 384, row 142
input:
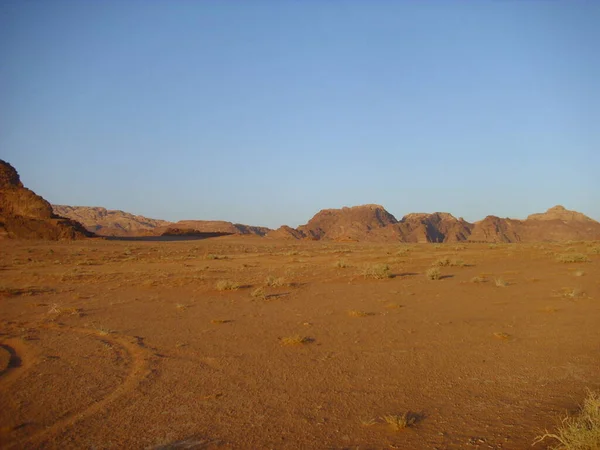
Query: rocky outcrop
column 220, row 227
column 559, row 212
column 495, row 229
column 348, row 224
column 285, row 232
column 107, row 222
column 26, row 215
column 374, row 223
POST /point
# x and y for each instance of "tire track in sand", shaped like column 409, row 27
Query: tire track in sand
column 138, row 370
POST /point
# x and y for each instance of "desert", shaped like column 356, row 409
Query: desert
column 286, row 341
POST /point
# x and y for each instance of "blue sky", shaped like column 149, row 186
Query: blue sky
column 264, row 112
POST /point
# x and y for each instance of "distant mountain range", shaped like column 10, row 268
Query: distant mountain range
column 24, row 214
column 358, row 223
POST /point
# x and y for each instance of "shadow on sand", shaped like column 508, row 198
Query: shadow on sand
column 166, row 238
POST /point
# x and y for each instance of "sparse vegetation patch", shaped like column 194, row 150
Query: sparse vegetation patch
column 227, row 285
column 433, row 273
column 580, row 432
column 572, row 258
column 377, row 271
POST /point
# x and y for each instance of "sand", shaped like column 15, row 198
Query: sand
column 117, row 344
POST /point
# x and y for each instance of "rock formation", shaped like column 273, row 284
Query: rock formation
column 23, row 214
column 218, row 227
column 106, row 222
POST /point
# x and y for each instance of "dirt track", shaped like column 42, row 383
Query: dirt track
column 113, row 344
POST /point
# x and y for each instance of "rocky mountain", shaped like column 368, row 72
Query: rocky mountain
column 374, row 223
column 106, row 222
column 348, row 224
column 26, row 215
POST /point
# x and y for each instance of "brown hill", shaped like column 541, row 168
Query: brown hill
column 285, row 232
column 436, row 227
column 556, row 224
column 374, row 223
column 559, row 212
column 348, row 224
column 219, row 227
column 24, row 214
column 108, row 222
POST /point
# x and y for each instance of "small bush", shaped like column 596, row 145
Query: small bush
column 227, row 285
column 434, row 273
column 447, row 262
column 341, row 264
column 377, row 271
column 442, row 262
column 581, row 432
column 572, row 258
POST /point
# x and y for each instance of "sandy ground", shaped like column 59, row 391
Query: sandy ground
column 131, row 345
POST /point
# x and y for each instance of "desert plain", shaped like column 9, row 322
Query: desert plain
column 243, row 342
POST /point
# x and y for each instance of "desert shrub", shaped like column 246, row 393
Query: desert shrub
column 377, row 271
column 341, row 264
column 581, row 432
column 442, row 262
column 227, row 285
column 274, row 282
column 447, row 262
column 434, row 273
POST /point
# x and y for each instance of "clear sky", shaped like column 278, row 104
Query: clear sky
column 264, row 112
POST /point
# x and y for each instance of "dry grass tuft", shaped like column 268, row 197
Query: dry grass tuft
column 296, row 340
column 274, row 282
column 259, row 293
column 500, row 282
column 220, row 321
column 434, row 273
column 581, row 432
column 357, row 313
column 478, row 280
column 341, row 264
column 572, row 292
column 227, row 285
column 377, row 271
column 399, row 422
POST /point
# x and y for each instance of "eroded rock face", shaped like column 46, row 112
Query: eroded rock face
column 559, row 212
column 285, row 232
column 374, row 223
column 26, row 215
column 191, row 227
column 106, row 222
column 348, row 224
